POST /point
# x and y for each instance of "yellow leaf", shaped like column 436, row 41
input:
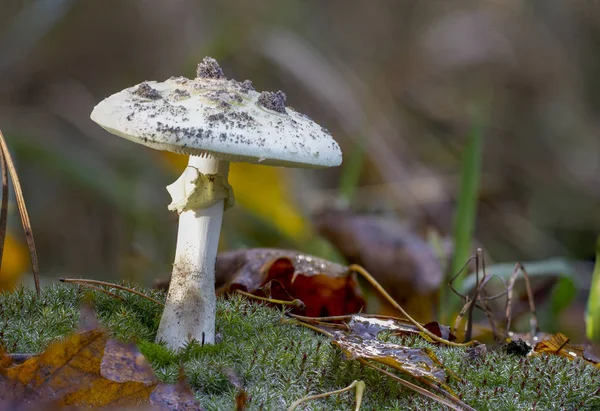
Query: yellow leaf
column 260, row 189
column 14, row 263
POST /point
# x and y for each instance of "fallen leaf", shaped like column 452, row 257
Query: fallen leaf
column 87, row 369
column 401, row 261
column 174, row 397
column 5, row 360
column 262, row 190
column 558, row 344
column 420, row 363
column 324, row 287
column 476, row 353
column 442, row 331
column 369, row 327
column 70, row 373
column 14, row 263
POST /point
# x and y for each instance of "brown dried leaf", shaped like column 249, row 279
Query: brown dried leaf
column 558, row 344
column 5, row 360
column 88, row 369
column 178, row 397
column 324, row 287
column 419, row 363
column 70, row 372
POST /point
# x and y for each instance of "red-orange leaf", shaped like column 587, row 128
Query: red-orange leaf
column 324, row 287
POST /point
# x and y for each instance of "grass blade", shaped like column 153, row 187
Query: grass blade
column 23, row 211
column 351, row 173
column 466, row 211
column 592, row 315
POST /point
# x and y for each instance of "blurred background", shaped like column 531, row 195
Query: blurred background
column 399, row 84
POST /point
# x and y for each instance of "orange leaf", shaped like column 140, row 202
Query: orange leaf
column 558, row 344
column 324, row 287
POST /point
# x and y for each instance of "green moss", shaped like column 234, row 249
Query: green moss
column 278, row 362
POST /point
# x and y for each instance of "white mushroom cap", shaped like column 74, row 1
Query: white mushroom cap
column 220, row 117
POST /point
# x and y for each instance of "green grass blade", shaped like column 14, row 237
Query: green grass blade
column 466, row 211
column 351, row 171
column 592, row 315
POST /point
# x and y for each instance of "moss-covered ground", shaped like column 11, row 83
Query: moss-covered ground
column 278, row 362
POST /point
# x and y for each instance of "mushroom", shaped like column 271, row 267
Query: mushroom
column 214, row 120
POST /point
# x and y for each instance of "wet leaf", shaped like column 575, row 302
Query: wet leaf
column 324, row 287
column 369, row 327
column 358, row 340
column 420, row 363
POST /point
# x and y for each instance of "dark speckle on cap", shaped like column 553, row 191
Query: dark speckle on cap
column 273, row 101
column 145, row 91
column 179, row 94
column 246, row 86
column 209, row 68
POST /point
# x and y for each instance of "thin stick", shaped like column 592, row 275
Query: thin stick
column 102, row 290
column 360, row 389
column 312, row 327
column 451, row 404
column 294, row 303
column 533, row 321
column 509, row 297
column 462, row 269
column 483, row 297
column 120, row 287
column 23, row 211
column 379, row 288
column 478, row 263
column 4, row 209
column 461, row 314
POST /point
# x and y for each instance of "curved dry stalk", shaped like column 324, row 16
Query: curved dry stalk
column 453, row 403
column 360, row 270
column 101, row 290
column 312, row 327
column 294, row 303
column 4, row 209
column 360, row 389
column 105, row 284
column 23, row 211
column 450, row 401
column 511, row 282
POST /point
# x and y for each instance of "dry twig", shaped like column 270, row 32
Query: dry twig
column 23, row 211
column 81, row 281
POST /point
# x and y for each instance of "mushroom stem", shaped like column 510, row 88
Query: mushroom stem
column 190, row 308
